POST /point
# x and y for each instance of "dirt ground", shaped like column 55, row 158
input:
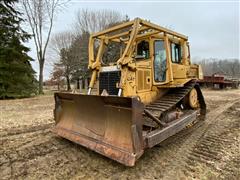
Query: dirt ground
column 207, row 150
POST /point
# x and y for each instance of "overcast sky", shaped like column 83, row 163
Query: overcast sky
column 212, row 27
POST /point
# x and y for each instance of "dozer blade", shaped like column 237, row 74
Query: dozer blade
column 109, row 125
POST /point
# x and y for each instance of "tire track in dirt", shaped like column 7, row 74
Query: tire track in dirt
column 34, row 146
column 219, row 147
column 37, row 152
column 196, row 147
column 24, row 130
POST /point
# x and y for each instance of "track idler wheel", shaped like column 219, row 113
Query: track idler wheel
column 193, row 99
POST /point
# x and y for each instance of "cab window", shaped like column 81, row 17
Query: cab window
column 160, row 61
column 143, row 50
column 176, row 54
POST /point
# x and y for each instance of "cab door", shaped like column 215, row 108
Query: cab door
column 160, row 64
column 143, row 63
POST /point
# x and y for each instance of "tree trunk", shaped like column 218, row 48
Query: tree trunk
column 78, row 84
column 83, row 84
column 40, row 83
column 68, row 83
column 86, row 83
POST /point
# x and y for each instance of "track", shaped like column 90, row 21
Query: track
column 207, row 149
column 169, row 101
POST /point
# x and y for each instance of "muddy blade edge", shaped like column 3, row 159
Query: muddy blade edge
column 111, row 126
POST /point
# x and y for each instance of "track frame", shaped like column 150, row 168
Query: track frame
column 156, row 136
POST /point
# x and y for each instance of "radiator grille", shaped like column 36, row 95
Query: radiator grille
column 108, row 80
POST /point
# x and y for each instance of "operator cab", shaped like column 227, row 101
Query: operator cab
column 159, row 58
column 154, row 51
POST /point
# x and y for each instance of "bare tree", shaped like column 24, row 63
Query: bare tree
column 61, row 44
column 92, row 21
column 228, row 67
column 61, row 40
column 40, row 15
column 57, row 77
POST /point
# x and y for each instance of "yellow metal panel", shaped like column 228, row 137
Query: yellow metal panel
column 179, row 71
column 143, row 80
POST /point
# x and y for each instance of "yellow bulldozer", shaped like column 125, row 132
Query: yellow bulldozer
column 138, row 98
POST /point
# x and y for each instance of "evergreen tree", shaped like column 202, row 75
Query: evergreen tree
column 17, row 77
